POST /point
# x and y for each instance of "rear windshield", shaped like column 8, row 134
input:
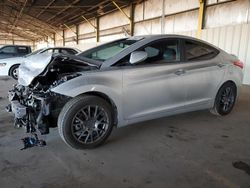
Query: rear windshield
column 109, row 50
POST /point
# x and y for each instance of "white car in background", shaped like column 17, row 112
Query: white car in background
column 9, row 67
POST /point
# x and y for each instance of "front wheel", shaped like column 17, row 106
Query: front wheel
column 14, row 71
column 85, row 122
column 225, row 99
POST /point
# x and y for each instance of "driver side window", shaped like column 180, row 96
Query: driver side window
column 159, row 52
column 166, row 51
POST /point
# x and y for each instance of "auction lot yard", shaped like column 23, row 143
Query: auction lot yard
column 190, row 150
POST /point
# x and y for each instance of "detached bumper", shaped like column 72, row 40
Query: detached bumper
column 15, row 107
column 18, row 109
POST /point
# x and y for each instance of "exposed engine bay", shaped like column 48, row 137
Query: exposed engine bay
column 34, row 105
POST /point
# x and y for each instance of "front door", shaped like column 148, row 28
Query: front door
column 157, row 85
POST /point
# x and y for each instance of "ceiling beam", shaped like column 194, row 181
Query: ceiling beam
column 47, row 6
column 63, row 10
column 21, row 23
column 59, row 6
column 23, row 32
column 18, row 34
column 31, row 22
column 25, row 25
column 18, row 16
column 81, row 12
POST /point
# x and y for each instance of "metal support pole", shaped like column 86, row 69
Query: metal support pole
column 33, row 45
column 88, row 22
column 97, row 30
column 117, row 6
column 70, row 29
column 163, row 18
column 77, row 34
column 63, row 37
column 201, row 18
column 54, row 38
column 130, row 18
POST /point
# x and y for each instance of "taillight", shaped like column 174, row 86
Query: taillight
column 239, row 64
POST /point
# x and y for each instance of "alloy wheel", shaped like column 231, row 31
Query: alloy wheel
column 227, row 99
column 90, row 124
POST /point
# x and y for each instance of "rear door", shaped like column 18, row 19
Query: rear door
column 204, row 72
column 157, row 85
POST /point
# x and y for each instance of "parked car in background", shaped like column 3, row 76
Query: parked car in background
column 9, row 51
column 123, row 82
column 9, row 67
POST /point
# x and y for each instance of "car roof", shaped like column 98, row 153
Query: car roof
column 61, row 47
column 15, row 45
column 161, row 36
column 155, row 36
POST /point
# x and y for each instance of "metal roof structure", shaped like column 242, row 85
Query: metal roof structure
column 38, row 19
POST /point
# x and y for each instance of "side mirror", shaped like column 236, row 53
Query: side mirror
column 137, row 57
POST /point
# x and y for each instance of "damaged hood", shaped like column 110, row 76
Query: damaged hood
column 34, row 65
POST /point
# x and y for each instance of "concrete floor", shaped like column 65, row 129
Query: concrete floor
column 190, row 150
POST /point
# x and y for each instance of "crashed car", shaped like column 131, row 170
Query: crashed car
column 123, row 82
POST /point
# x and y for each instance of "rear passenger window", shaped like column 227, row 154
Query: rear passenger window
column 22, row 50
column 198, row 51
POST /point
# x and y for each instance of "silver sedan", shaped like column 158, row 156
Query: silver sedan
column 126, row 81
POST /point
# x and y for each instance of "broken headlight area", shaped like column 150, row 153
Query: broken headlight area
column 36, row 110
column 63, row 79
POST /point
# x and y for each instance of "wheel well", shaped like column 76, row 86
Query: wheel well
column 12, row 67
column 107, row 99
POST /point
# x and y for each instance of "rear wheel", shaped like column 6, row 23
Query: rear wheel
column 225, row 99
column 14, row 71
column 85, row 122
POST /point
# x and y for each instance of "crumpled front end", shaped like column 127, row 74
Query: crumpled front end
column 34, row 105
column 35, row 110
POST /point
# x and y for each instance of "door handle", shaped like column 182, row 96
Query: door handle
column 220, row 65
column 180, row 72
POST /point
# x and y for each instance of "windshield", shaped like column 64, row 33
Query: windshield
column 106, row 51
column 35, row 52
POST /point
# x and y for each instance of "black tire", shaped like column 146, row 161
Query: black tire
column 73, row 119
column 225, row 99
column 14, row 72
